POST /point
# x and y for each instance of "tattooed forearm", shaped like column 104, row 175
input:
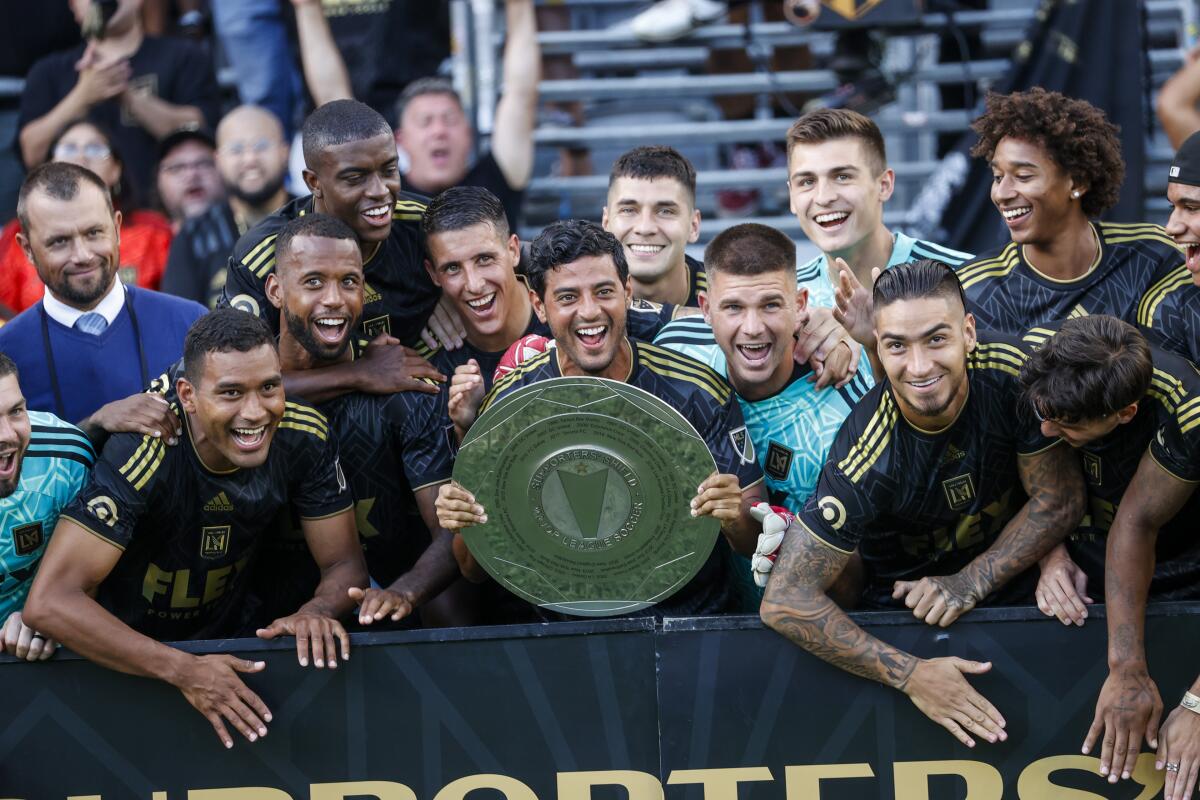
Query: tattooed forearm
column 1152, row 498
column 1057, row 498
column 796, row 606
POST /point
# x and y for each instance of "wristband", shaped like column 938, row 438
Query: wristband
column 1191, row 702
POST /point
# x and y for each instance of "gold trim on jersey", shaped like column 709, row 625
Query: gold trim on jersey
column 1120, row 232
column 261, row 260
column 141, row 466
column 997, row 355
column 1187, row 415
column 1067, row 281
column 1000, row 265
column 92, row 531
column 304, row 418
column 874, row 440
column 1177, row 278
column 1037, row 336
column 671, row 364
column 1163, row 467
column 1173, row 390
column 330, row 515
column 816, row 537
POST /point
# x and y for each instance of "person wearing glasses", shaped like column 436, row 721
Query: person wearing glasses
column 187, row 182
column 252, row 158
column 145, row 234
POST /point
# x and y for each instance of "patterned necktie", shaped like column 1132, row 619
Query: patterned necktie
column 92, row 323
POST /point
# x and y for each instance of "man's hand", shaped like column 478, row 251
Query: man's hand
column 853, row 305
column 1128, row 709
column 211, row 684
column 775, row 520
column 375, row 604
column 444, row 326
column 388, row 367
column 101, row 79
column 839, row 367
column 20, row 640
column 466, row 395
column 719, row 496
column 937, row 687
column 145, row 414
column 816, row 340
column 1062, row 588
column 939, row 600
column 457, row 509
column 312, row 630
column 1179, row 753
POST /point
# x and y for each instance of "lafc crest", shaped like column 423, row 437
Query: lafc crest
column 214, row 541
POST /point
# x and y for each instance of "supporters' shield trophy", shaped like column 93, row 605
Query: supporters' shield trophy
column 587, row 485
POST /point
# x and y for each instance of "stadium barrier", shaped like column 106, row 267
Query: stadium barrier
column 697, row 709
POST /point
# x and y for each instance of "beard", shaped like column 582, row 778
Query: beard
column 85, row 295
column 257, row 197
column 319, row 350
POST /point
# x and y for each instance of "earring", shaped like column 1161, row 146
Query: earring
column 1076, row 194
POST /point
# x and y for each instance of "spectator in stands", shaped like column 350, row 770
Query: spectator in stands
column 92, row 344
column 435, row 133
column 145, row 235
column 1178, row 103
column 140, row 87
column 187, row 180
column 155, row 550
column 44, row 462
column 252, row 157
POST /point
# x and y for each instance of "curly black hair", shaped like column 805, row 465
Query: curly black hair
column 1076, row 135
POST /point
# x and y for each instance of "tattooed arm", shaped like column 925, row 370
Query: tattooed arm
column 1057, row 498
column 1129, row 705
column 796, row 605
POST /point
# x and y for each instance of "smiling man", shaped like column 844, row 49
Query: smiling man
column 157, row 545
column 1056, row 166
column 352, row 171
column 581, row 287
column 925, row 481
column 1169, row 314
column 394, row 447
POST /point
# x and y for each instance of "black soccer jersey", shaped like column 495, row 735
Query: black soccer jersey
column 916, row 503
column 398, row 295
column 1006, row 294
column 643, row 321
column 1168, row 423
column 697, row 281
column 1169, row 314
column 188, row 535
column 710, row 405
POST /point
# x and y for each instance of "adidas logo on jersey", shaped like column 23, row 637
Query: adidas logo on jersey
column 370, row 295
column 953, row 454
column 219, row 503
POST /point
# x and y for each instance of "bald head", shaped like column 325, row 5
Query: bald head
column 252, row 154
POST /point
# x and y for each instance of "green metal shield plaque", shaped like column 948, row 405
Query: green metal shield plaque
column 587, row 484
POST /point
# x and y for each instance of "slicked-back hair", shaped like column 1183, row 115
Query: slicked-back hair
column 916, row 281
column 1076, row 135
column 423, row 86
column 750, row 249
column 569, row 240
column 1093, row 367
column 461, row 207
column 827, row 124
column 59, row 180
column 8, row 367
column 653, row 162
column 225, row 330
column 321, row 226
column 340, row 122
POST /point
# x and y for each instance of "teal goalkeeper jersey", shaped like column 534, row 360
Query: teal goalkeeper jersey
column 792, row 430
column 55, row 468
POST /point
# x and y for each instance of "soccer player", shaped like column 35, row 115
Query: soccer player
column 1169, row 313
column 1124, row 405
column 472, row 258
column 751, row 311
column 651, row 209
column 351, row 169
column 581, row 284
column 394, row 447
column 1056, row 166
column 157, row 545
column 925, row 480
column 44, row 462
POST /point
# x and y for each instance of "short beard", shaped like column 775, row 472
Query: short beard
column 80, row 298
column 257, row 198
column 311, row 344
